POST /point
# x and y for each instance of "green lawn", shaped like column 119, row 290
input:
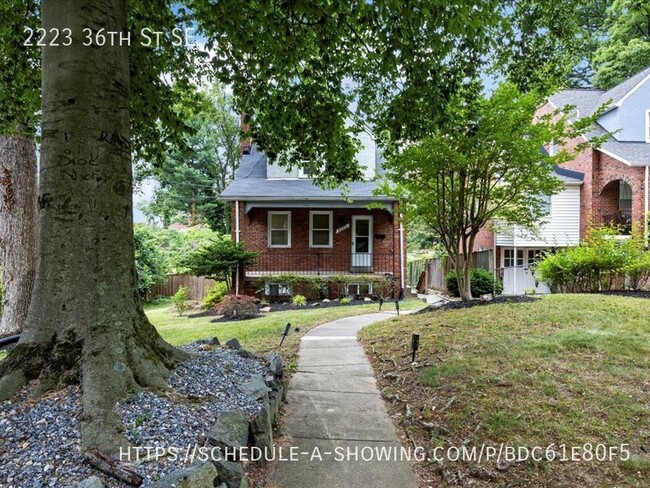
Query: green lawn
column 566, row 369
column 260, row 335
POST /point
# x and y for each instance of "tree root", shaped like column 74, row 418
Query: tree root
column 108, row 364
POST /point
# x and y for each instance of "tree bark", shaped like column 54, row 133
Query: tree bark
column 85, row 322
column 17, row 229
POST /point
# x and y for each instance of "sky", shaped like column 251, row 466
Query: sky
column 143, row 194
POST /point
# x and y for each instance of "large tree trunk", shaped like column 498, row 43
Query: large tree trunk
column 17, row 229
column 85, row 322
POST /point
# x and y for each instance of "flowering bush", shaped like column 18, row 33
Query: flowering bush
column 237, row 306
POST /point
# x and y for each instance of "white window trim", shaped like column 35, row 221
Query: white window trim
column 647, row 125
column 311, row 228
column 302, row 174
column 268, row 225
column 514, row 258
column 547, row 200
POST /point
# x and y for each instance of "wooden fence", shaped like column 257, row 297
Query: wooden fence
column 430, row 273
column 197, row 287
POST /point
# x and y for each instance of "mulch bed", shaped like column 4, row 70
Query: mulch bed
column 279, row 307
column 457, row 305
column 631, row 294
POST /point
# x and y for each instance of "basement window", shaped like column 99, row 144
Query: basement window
column 277, row 290
column 362, row 289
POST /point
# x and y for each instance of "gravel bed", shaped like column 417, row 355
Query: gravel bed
column 39, row 440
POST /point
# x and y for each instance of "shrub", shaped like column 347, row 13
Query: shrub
column 180, row 300
column 346, row 300
column 482, row 282
column 299, row 300
column 602, row 262
column 317, row 288
column 215, row 294
column 237, row 306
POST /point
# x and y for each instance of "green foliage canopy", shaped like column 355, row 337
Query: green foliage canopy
column 191, row 177
column 313, row 74
column 626, row 48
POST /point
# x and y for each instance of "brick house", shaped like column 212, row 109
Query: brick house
column 608, row 185
column 301, row 229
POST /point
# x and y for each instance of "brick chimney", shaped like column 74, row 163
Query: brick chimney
column 245, row 143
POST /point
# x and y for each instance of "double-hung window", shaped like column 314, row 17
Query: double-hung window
column 320, row 229
column 509, row 258
column 279, row 225
column 546, row 204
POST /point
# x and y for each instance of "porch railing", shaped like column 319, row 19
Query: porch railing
column 321, row 263
column 622, row 219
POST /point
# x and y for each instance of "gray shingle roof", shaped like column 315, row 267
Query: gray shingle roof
column 633, row 153
column 619, row 91
column 587, row 101
column 251, row 183
column 568, row 176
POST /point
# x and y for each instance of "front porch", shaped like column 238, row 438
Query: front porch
column 616, row 206
column 322, row 263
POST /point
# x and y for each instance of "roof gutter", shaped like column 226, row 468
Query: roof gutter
column 294, row 198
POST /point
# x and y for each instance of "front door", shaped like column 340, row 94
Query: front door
column 362, row 243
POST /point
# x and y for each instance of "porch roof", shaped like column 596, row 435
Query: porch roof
column 301, row 202
column 298, row 189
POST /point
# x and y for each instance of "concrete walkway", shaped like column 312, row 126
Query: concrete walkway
column 335, row 410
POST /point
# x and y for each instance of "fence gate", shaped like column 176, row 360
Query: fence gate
column 517, row 280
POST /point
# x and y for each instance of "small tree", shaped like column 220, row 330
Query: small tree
column 180, row 300
column 218, row 259
column 487, row 162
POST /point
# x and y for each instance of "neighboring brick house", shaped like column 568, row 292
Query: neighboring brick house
column 613, row 187
column 299, row 228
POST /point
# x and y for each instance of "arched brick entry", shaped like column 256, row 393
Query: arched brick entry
column 615, row 204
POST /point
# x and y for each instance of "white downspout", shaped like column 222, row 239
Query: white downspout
column 401, row 255
column 237, row 231
column 645, row 213
column 494, row 257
